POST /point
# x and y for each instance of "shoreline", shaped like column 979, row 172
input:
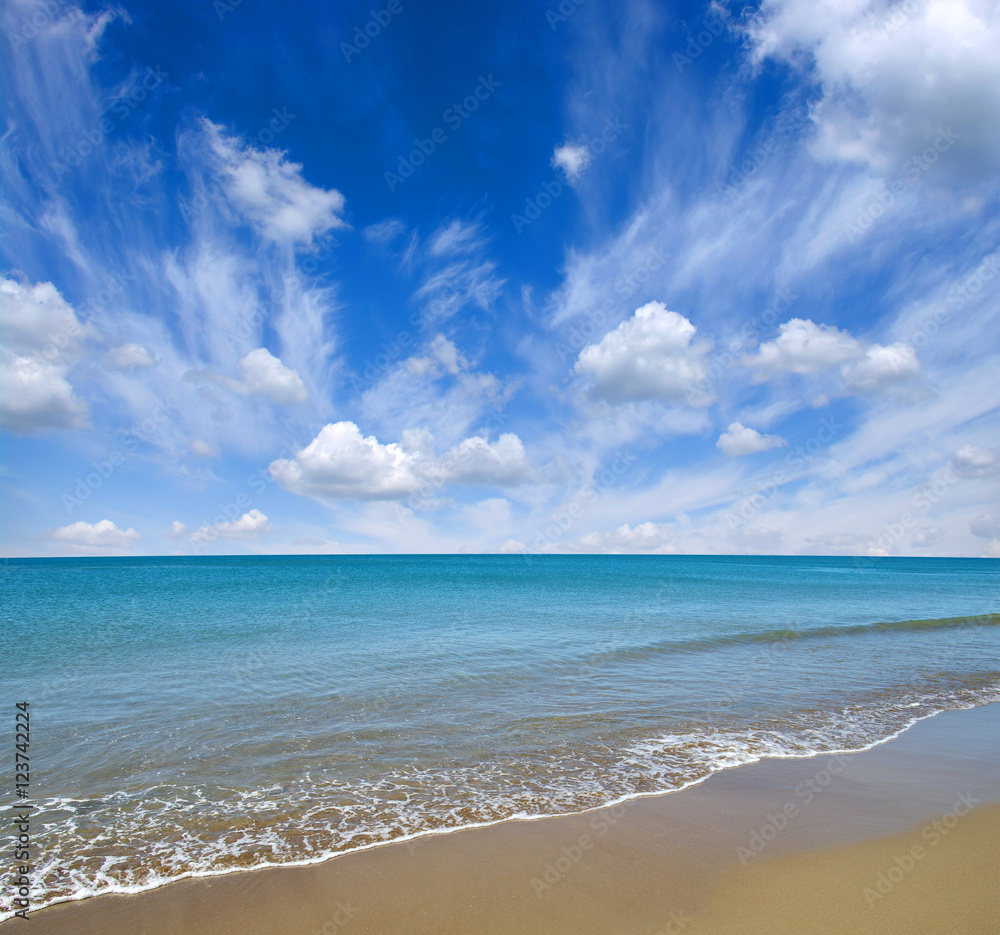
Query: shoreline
column 416, row 839
column 854, row 797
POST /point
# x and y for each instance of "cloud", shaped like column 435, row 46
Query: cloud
column 925, row 538
column 892, row 76
column 973, row 461
column 265, row 374
column 129, row 357
column 573, row 160
column 339, row 462
column 384, row 232
column 271, row 193
column 94, row 538
column 441, row 354
column 202, row 449
column 804, row 347
column 648, row 356
column 646, row 537
column 262, row 374
column 456, row 237
column 986, row 525
column 41, row 339
column 882, row 367
column 248, row 526
column 176, row 530
column 477, row 461
column 740, row 440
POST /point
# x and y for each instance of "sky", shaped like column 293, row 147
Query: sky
column 598, row 276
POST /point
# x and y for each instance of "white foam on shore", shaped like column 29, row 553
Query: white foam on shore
column 423, row 802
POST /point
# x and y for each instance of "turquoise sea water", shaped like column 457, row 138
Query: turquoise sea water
column 199, row 715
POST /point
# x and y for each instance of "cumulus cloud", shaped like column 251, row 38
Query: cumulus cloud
column 341, row 463
column 248, row 526
column 94, row 538
column 740, row 440
column 973, row 461
column 648, row 356
column 646, row 537
column 477, row 461
column 882, row 367
column 804, row 347
column 41, row 339
column 572, row 159
column 261, row 374
column 271, row 193
column 265, row 374
column 129, row 357
column 176, row 530
column 893, row 75
column 986, row 525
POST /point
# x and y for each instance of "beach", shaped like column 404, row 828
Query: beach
column 901, row 838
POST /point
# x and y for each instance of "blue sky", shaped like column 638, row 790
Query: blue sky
column 442, row 277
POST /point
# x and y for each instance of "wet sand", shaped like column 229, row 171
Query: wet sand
column 818, row 845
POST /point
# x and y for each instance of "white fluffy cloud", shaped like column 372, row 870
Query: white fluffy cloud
column 341, row 463
column 271, row 193
column 740, row 440
column 248, row 526
column 573, row 160
column 265, row 374
column 804, row 347
column 881, row 367
column 893, row 75
column 477, row 461
column 648, row 356
column 42, row 339
column 129, row 357
column 94, row 538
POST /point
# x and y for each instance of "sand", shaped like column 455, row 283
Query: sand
column 817, row 845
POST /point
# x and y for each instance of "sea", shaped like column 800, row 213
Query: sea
column 200, row 715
